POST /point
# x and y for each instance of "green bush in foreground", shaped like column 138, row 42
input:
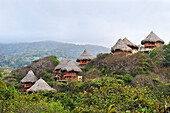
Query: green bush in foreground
column 107, row 96
column 30, row 103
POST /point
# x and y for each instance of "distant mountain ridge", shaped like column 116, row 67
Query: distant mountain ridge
column 21, row 54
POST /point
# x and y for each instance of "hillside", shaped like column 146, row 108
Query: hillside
column 122, row 64
column 112, row 84
column 21, row 54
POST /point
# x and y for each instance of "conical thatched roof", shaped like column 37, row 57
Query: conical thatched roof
column 40, row 85
column 62, row 63
column 152, row 37
column 85, row 56
column 30, row 77
column 129, row 43
column 71, row 66
column 120, row 45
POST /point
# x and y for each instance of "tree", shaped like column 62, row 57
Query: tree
column 2, row 84
column 166, row 49
column 157, row 55
column 161, row 55
column 47, row 77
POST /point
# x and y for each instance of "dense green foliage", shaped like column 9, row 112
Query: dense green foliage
column 97, row 96
column 33, row 103
column 21, row 54
column 55, row 59
column 0, row 74
column 161, row 55
column 144, row 67
column 2, row 85
column 47, row 77
column 166, row 61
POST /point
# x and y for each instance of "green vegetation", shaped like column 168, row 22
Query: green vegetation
column 161, row 55
column 166, row 60
column 98, row 96
column 55, row 59
column 13, row 80
column 34, row 103
column 47, row 77
column 144, row 67
column 2, row 85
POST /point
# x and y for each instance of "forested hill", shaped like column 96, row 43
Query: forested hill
column 20, row 54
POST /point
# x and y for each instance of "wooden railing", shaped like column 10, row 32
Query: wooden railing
column 28, row 85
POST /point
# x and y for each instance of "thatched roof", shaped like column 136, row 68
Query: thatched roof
column 62, row 63
column 40, row 85
column 71, row 66
column 120, row 45
column 129, row 43
column 30, row 77
column 152, row 37
column 85, row 56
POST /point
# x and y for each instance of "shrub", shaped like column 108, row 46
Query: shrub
column 127, row 78
column 93, row 73
column 55, row 59
column 166, row 60
column 144, row 67
column 47, row 77
column 35, row 102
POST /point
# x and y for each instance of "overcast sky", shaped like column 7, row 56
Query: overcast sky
column 100, row 22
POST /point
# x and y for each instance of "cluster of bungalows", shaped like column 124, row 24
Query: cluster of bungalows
column 67, row 69
column 63, row 72
column 151, row 41
column 32, row 84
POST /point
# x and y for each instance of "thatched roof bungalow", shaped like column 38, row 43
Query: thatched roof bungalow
column 71, row 67
column 151, row 41
column 131, row 45
column 120, row 46
column 84, row 58
column 40, row 85
column 66, row 69
column 71, row 70
column 29, row 79
column 62, row 63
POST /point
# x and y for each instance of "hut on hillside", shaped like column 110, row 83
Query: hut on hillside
column 71, row 71
column 120, row 47
column 29, row 79
column 151, row 41
column 62, row 63
column 58, row 76
column 66, row 70
column 84, row 58
column 131, row 45
column 40, row 85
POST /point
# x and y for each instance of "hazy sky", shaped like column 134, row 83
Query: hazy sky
column 100, row 22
